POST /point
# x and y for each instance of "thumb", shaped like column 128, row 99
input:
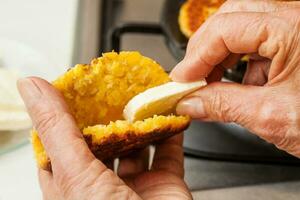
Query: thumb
column 225, row 102
column 270, row 112
column 57, row 128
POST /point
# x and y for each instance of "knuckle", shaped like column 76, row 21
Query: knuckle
column 219, row 106
column 91, row 180
column 230, row 5
column 46, row 120
column 70, row 182
column 290, row 143
column 274, row 122
column 44, row 117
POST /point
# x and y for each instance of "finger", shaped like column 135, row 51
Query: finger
column 267, row 111
column 239, row 33
column 134, row 164
column 253, row 107
column 256, row 6
column 57, row 129
column 225, row 102
column 169, row 156
column 47, row 185
column 256, row 73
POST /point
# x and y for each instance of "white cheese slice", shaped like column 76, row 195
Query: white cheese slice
column 159, row 100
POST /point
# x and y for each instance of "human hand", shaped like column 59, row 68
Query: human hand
column 268, row 103
column 77, row 174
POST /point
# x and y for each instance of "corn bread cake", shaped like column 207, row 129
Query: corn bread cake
column 193, row 13
column 97, row 94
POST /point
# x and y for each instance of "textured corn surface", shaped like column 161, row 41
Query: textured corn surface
column 40, row 154
column 146, row 126
column 97, row 94
column 193, row 13
column 120, row 138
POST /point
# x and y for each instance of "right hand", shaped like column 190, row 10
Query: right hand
column 268, row 103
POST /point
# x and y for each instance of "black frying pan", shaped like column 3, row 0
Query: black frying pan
column 177, row 42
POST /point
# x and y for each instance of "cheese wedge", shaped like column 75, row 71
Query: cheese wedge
column 158, row 100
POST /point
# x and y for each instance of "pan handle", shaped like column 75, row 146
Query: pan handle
column 118, row 31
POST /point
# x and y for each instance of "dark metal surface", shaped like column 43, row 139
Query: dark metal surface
column 231, row 142
column 203, row 174
column 168, row 27
column 117, row 32
column 177, row 42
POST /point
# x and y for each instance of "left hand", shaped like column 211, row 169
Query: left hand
column 78, row 175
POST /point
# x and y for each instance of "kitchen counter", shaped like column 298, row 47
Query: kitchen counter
column 277, row 191
column 18, row 174
column 202, row 174
column 19, row 179
column 48, row 28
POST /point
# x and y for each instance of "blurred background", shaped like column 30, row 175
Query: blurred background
column 45, row 38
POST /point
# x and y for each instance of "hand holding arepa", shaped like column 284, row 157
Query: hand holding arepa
column 78, row 174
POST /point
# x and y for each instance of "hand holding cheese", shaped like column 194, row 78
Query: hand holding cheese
column 159, row 100
column 268, row 101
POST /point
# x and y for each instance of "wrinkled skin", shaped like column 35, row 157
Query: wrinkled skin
column 268, row 101
column 78, row 175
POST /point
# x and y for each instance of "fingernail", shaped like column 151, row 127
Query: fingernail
column 193, row 107
column 175, row 73
column 29, row 91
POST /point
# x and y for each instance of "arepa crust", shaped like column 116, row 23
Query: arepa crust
column 96, row 95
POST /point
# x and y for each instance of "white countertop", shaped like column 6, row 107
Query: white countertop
column 48, row 27
column 19, row 181
column 19, row 175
